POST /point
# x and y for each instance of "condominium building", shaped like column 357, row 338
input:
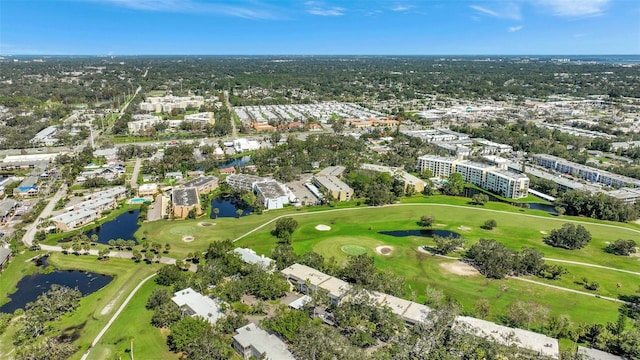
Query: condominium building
column 185, row 200
column 499, row 181
column 585, row 172
column 334, row 186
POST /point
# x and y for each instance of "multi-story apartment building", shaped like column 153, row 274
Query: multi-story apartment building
column 584, row 172
column 491, row 178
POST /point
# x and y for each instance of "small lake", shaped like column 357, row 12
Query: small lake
column 122, row 227
column 228, row 205
column 32, row 286
column 469, row 192
column 544, row 207
column 241, row 161
column 423, row 233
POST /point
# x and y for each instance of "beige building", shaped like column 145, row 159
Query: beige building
column 327, row 181
column 184, row 200
column 204, row 184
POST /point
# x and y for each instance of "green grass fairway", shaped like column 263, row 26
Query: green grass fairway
column 149, row 342
column 353, row 250
column 95, row 309
column 360, row 227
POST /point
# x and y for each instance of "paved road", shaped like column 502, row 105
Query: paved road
column 115, row 316
column 32, row 228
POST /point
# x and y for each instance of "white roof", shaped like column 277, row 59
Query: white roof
column 522, row 338
column 72, row 216
column 593, row 354
column 250, row 257
column 300, row 302
column 202, row 306
column 263, row 342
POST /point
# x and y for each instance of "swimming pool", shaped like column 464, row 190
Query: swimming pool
column 139, row 200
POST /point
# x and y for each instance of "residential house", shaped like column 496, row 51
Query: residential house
column 253, row 342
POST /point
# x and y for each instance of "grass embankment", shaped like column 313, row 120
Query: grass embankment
column 95, row 309
column 148, row 342
column 360, row 227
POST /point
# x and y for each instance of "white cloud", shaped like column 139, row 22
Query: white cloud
column 320, row 9
column 401, row 8
column 507, row 10
column 255, row 11
column 574, row 8
column 515, row 28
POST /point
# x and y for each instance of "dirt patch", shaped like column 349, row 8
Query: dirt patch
column 464, row 228
column 384, row 250
column 188, row 238
column 107, row 309
column 323, row 227
column 206, row 224
column 439, row 225
column 460, row 268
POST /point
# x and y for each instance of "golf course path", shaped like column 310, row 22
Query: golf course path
column 569, row 290
column 115, row 316
column 592, row 265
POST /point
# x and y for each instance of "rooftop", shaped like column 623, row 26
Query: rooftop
column 200, row 305
column 270, row 189
column 199, row 181
column 263, row 342
column 73, row 216
column 250, row 257
column 332, row 171
column 185, row 197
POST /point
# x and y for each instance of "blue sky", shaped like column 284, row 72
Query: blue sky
column 359, row 27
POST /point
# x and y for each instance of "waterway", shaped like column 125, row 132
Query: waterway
column 228, row 205
column 122, row 227
column 32, row 286
column 423, row 233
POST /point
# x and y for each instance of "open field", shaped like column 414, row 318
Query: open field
column 95, row 309
column 360, row 227
column 149, row 342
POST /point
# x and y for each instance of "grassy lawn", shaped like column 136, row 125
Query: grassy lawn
column 360, row 227
column 95, row 309
column 149, row 342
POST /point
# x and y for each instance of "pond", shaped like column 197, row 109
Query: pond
column 122, row 227
column 228, row 205
column 469, row 192
column 544, row 207
column 423, row 233
column 32, row 286
column 241, row 161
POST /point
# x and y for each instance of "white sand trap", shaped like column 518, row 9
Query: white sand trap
column 543, row 232
column 384, row 250
column 464, row 228
column 322, row 227
column 460, row 268
column 188, row 238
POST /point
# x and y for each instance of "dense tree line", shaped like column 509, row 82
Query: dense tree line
column 597, row 206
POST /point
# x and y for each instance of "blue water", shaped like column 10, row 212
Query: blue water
column 32, row 286
column 122, row 227
column 236, row 162
column 228, row 206
column 139, row 200
column 423, row 233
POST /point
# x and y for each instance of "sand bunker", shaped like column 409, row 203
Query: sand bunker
column 384, row 250
column 322, row 227
column 543, row 232
column 188, row 238
column 460, row 268
column 464, row 228
column 205, row 224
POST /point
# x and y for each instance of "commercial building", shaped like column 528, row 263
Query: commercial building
column 197, row 305
column 252, row 342
column 204, row 184
column 584, row 172
column 73, row 219
column 327, row 181
column 184, row 200
column 505, row 183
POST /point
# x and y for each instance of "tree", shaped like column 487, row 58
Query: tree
column 167, row 247
column 447, row 244
column 137, row 255
column 569, row 236
column 427, row 221
column 239, row 213
column 622, row 247
column 489, row 224
column 158, row 297
column 166, row 314
column 492, row 258
column 559, row 210
column 185, row 331
column 454, row 185
column 284, row 228
column 103, row 254
column 480, row 199
column 216, row 212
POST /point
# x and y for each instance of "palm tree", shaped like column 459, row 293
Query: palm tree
column 216, row 211
column 239, row 213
